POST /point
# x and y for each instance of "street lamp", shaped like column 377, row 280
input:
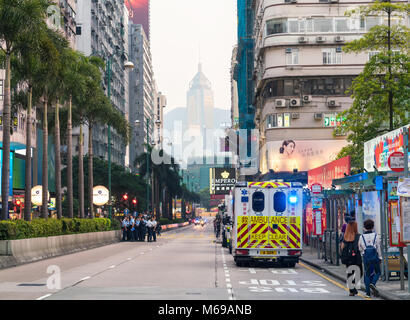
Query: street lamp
column 127, row 65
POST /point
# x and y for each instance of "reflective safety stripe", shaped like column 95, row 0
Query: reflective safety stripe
column 265, row 184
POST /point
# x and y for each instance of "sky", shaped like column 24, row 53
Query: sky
column 186, row 31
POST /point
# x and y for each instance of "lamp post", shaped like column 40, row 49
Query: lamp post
column 127, row 65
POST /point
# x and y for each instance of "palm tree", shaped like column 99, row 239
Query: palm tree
column 18, row 19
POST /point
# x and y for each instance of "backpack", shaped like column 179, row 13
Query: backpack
column 370, row 255
column 350, row 253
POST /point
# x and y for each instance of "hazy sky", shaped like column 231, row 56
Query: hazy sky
column 178, row 29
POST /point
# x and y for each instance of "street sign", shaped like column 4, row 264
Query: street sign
column 396, row 161
column 317, row 223
column 316, row 188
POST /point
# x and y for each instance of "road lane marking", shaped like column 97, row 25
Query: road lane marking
column 43, row 297
column 332, row 281
column 85, row 278
column 111, row 267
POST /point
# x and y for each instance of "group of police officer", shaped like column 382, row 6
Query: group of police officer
column 135, row 228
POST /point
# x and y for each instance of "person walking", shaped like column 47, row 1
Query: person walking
column 158, row 228
column 369, row 245
column 351, row 255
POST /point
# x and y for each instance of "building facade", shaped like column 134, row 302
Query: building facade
column 302, row 77
column 142, row 93
column 101, row 31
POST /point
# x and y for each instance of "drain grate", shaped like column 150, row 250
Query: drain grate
column 31, row 284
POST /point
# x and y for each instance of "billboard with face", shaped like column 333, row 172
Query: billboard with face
column 139, row 13
column 302, row 155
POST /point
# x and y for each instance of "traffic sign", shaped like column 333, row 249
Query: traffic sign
column 316, row 188
column 396, row 161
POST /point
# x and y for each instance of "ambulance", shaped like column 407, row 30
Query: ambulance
column 267, row 222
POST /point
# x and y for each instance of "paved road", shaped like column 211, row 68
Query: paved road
column 184, row 264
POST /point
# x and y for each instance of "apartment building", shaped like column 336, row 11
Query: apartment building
column 101, row 31
column 142, row 91
column 301, row 78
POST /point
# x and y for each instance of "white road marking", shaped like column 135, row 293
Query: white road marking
column 111, row 267
column 43, row 297
column 85, row 278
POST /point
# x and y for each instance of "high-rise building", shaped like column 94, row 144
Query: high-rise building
column 101, row 31
column 200, row 103
column 139, row 13
column 142, row 93
column 302, row 76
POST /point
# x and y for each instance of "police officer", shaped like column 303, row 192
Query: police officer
column 124, row 228
column 136, row 228
column 130, row 228
column 154, row 229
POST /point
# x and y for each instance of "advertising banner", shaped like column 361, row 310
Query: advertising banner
column 392, row 190
column 139, row 13
column 222, row 180
column 302, row 155
column 333, row 170
column 405, row 219
column 11, row 171
column 378, row 150
column 371, row 208
column 403, row 187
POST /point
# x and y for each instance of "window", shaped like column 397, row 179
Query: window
column 275, row 26
column 278, row 120
column 342, row 24
column 330, row 56
column 279, row 201
column 323, row 25
column 293, row 25
column 333, row 120
column 372, row 54
column 292, row 56
column 371, row 22
column 258, row 201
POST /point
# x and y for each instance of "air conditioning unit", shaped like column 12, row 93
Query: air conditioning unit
column 295, row 115
column 303, row 39
column 318, row 116
column 320, row 39
column 288, row 50
column 307, row 99
column 339, row 39
column 339, row 49
column 294, row 103
column 280, row 103
column 333, row 103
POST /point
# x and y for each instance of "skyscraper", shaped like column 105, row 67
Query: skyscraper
column 200, row 102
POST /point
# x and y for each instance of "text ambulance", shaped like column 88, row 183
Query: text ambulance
column 267, row 222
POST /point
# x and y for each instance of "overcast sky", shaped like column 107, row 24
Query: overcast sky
column 178, row 29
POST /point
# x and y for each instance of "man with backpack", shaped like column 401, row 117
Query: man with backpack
column 369, row 246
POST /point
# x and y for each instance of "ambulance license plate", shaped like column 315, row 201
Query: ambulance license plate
column 269, row 252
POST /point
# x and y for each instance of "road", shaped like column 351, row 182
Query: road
column 184, row 264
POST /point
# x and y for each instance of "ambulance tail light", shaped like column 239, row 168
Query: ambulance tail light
column 242, row 252
column 295, row 252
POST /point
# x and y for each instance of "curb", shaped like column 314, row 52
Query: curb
column 383, row 294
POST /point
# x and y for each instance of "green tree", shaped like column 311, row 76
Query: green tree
column 19, row 19
column 205, row 198
column 381, row 92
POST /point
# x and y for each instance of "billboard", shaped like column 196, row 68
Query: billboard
column 222, row 180
column 333, row 170
column 371, row 208
column 139, row 13
column 302, row 155
column 378, row 150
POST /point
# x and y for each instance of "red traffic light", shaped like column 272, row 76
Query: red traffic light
column 18, row 202
column 134, row 201
column 125, row 197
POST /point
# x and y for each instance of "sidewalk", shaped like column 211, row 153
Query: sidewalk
column 388, row 290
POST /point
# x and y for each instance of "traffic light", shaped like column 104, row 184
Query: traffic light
column 18, row 206
column 125, row 197
column 134, row 203
column 124, row 202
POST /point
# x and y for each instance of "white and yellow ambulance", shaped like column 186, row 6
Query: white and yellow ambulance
column 267, row 222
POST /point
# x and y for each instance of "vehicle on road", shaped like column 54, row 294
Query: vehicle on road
column 267, row 223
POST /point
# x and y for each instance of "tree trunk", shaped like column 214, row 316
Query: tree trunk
column 44, row 206
column 70, row 161
column 5, row 174
column 90, row 171
column 80, row 174
column 59, row 206
column 27, row 193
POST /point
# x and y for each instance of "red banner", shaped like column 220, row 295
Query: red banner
column 333, row 170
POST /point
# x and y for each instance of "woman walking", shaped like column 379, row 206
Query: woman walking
column 351, row 256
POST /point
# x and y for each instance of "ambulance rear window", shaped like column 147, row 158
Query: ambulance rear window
column 279, row 201
column 258, row 201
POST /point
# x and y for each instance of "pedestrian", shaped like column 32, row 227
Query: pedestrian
column 158, row 228
column 369, row 245
column 143, row 228
column 149, row 228
column 130, row 228
column 124, row 228
column 154, row 229
column 351, row 254
column 136, row 228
